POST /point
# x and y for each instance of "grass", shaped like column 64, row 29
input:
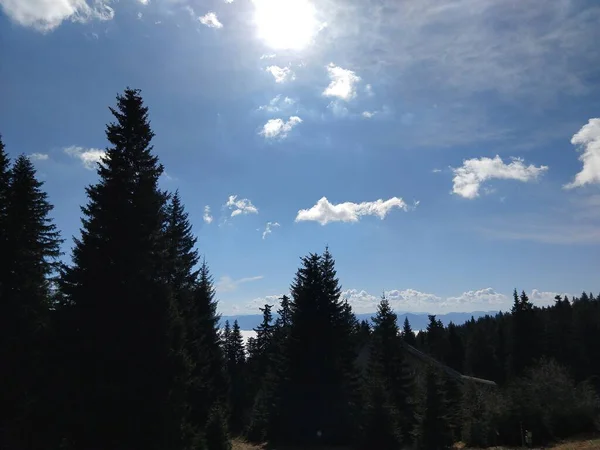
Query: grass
column 579, row 444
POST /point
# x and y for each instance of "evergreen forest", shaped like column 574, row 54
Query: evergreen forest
column 121, row 349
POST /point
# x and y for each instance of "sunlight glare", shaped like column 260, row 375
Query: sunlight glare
column 285, row 24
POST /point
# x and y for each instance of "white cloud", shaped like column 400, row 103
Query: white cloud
column 468, row 178
column 281, row 74
column 207, row 216
column 487, row 296
column 277, row 104
column 210, row 20
column 368, row 114
column 268, row 56
column 46, row 15
column 343, row 83
column 253, row 306
column 588, row 138
column 269, row 228
column 139, row 16
column 400, row 300
column 411, row 300
column 436, row 171
column 144, row 2
column 325, row 212
column 277, row 128
column 38, row 157
column 369, row 90
column 228, row 284
column 88, row 156
column 228, row 1
column 241, row 206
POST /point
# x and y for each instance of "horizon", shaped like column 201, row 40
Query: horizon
column 443, row 168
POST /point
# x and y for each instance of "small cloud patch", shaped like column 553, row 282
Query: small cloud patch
column 343, row 83
column 89, row 157
column 207, row 217
column 469, row 178
column 281, row 74
column 588, row 139
column 278, row 129
column 38, row 157
column 325, row 212
column 240, row 206
column 269, row 229
column 210, row 20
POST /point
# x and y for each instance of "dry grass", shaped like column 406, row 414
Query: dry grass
column 580, row 444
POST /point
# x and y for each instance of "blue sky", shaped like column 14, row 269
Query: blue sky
column 445, row 151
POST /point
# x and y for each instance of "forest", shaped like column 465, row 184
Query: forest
column 121, row 349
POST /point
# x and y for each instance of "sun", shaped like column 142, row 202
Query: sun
column 285, row 24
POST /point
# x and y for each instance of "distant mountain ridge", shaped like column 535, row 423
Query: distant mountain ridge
column 418, row 321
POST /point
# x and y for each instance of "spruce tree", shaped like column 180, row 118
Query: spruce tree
column 123, row 311
column 435, row 431
column 388, row 353
column 318, row 405
column 207, row 353
column 4, row 185
column 236, row 370
column 408, row 334
column 30, row 248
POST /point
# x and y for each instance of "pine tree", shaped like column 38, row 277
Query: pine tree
column 456, row 349
column 318, row 403
column 408, row 334
column 30, row 248
column 207, row 353
column 4, row 186
column 381, row 423
column 236, row 370
column 123, row 312
column 388, row 353
column 435, row 430
column 217, row 434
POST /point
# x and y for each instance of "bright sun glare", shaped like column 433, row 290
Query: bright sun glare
column 285, row 24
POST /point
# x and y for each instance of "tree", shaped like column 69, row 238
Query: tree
column 123, row 309
column 235, row 360
column 217, row 435
column 30, row 248
column 318, row 404
column 408, row 334
column 388, row 354
column 435, row 431
column 207, row 353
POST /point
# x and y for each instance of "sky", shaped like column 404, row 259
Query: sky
column 445, row 151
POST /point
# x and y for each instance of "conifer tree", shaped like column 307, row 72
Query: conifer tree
column 207, row 353
column 30, row 248
column 124, row 314
column 4, row 185
column 217, row 434
column 236, row 370
column 318, row 404
column 388, row 352
column 381, row 423
column 408, row 334
column 435, row 430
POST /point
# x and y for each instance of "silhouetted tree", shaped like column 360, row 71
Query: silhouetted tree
column 30, row 248
column 123, row 310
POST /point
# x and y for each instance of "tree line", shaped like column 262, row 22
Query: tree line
column 121, row 349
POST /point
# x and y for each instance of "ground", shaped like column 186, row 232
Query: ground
column 580, row 444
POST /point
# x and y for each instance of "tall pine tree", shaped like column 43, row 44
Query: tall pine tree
column 123, row 311
column 30, row 248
